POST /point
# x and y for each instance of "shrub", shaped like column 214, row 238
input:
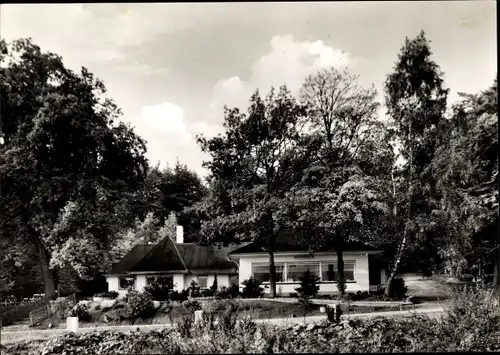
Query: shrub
column 80, row 310
column 194, row 289
column 179, row 296
column 139, row 304
column 309, row 287
column 207, row 292
column 398, row 289
column 159, row 288
column 61, row 306
column 191, row 305
column 214, row 288
column 185, row 325
column 252, row 289
column 117, row 314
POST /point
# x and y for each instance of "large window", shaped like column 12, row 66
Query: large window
column 203, row 281
column 261, row 272
column 329, row 272
column 160, row 281
column 126, row 282
column 293, row 271
column 296, row 271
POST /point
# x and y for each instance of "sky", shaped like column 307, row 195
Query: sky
column 171, row 67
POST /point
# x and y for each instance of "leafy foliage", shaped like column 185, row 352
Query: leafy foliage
column 398, row 289
column 68, row 166
column 252, row 289
column 81, row 311
column 159, row 288
column 309, row 287
column 191, row 305
column 253, row 165
column 61, row 306
column 139, row 304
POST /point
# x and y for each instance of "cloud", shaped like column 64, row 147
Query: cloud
column 289, row 62
column 94, row 32
column 169, row 137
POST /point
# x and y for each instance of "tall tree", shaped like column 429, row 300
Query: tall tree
column 416, row 102
column 67, row 164
column 253, row 166
column 341, row 192
column 466, row 170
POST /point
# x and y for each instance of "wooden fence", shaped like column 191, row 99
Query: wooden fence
column 41, row 313
column 19, row 312
column 35, row 311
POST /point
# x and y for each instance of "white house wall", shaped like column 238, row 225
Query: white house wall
column 360, row 272
column 179, row 283
column 140, row 283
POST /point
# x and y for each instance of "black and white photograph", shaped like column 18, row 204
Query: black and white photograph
column 249, row 177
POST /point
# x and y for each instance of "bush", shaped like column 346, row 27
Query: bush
column 179, row 296
column 139, row 304
column 191, row 305
column 207, row 292
column 309, row 286
column 81, row 311
column 252, row 289
column 61, row 306
column 398, row 289
column 227, row 293
column 159, row 288
column 215, row 286
column 194, row 289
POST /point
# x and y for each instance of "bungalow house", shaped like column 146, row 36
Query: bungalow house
column 181, row 262
column 364, row 268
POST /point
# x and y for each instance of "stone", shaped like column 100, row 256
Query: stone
column 311, row 326
column 72, row 324
column 156, row 304
column 108, row 303
column 50, row 326
column 105, row 318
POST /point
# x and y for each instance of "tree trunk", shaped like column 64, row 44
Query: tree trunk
column 496, row 271
column 272, row 274
column 47, row 274
column 340, row 267
column 397, row 261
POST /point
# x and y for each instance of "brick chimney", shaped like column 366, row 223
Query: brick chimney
column 180, row 235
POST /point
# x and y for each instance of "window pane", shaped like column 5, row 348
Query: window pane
column 126, row 282
column 202, row 281
column 296, row 271
column 329, row 272
column 261, row 272
column 162, row 281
